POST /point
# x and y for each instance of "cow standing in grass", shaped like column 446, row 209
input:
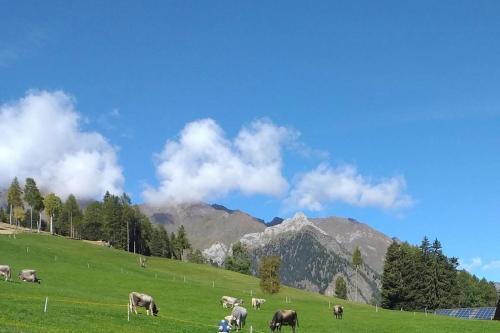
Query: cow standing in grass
column 29, row 275
column 228, row 301
column 137, row 299
column 338, row 311
column 284, row 318
column 238, row 317
column 257, row 303
column 5, row 271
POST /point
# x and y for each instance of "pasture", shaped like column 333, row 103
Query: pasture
column 88, row 286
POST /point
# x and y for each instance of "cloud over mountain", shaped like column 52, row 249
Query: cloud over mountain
column 42, row 138
column 203, row 164
column 325, row 184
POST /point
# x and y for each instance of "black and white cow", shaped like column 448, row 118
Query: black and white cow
column 284, row 318
column 137, row 299
column 29, row 275
column 5, row 271
column 338, row 311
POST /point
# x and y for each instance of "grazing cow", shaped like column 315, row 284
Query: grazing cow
column 228, row 301
column 137, row 299
column 338, row 311
column 238, row 317
column 29, row 275
column 5, row 271
column 257, row 303
column 284, row 318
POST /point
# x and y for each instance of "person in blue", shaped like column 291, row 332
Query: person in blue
column 224, row 326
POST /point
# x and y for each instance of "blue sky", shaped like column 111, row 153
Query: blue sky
column 400, row 101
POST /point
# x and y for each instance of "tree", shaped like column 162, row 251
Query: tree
column 269, row 274
column 72, row 216
column 340, row 288
column 115, row 229
column 92, row 224
column 196, row 257
column 157, row 244
column 34, row 199
column 392, row 280
column 179, row 243
column 239, row 261
column 357, row 261
column 14, row 197
column 53, row 206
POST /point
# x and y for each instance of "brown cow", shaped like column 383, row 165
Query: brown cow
column 284, row 318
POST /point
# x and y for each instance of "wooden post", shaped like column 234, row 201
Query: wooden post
column 46, row 303
column 251, row 329
column 184, row 279
column 88, row 265
column 213, row 284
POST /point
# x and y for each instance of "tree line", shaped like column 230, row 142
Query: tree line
column 114, row 219
column 423, row 277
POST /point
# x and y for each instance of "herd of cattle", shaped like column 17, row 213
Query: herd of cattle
column 237, row 318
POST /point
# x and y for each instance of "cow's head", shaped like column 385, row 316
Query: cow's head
column 273, row 325
column 155, row 310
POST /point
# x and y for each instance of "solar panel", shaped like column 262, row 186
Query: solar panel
column 485, row 313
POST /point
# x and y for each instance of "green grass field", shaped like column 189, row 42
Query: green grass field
column 87, row 288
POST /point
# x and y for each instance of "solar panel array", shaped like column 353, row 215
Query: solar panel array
column 469, row 313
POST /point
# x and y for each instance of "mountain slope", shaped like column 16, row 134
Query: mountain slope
column 88, row 285
column 205, row 224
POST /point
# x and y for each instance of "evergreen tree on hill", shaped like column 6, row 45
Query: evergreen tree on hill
column 53, row 206
column 14, row 198
column 239, row 261
column 269, row 274
column 34, row 199
column 340, row 288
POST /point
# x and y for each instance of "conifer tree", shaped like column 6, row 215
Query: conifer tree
column 239, row 261
column 340, row 288
column 34, row 199
column 357, row 261
column 14, row 198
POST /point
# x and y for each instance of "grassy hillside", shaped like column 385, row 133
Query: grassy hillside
column 83, row 299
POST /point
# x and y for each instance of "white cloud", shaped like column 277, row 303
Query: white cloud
column 41, row 138
column 324, row 185
column 492, row 265
column 203, row 164
column 476, row 262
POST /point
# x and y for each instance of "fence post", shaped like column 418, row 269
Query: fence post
column 251, row 329
column 46, row 303
column 213, row 284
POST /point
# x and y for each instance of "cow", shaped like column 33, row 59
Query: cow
column 284, row 318
column 5, row 271
column 228, row 301
column 238, row 317
column 257, row 303
column 338, row 311
column 28, row 275
column 137, row 299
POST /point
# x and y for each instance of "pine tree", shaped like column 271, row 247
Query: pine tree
column 239, row 261
column 72, row 216
column 157, row 243
column 115, row 229
column 196, row 257
column 92, row 224
column 269, row 274
column 357, row 261
column 33, row 198
column 182, row 242
column 340, row 288
column 392, row 280
column 14, row 198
